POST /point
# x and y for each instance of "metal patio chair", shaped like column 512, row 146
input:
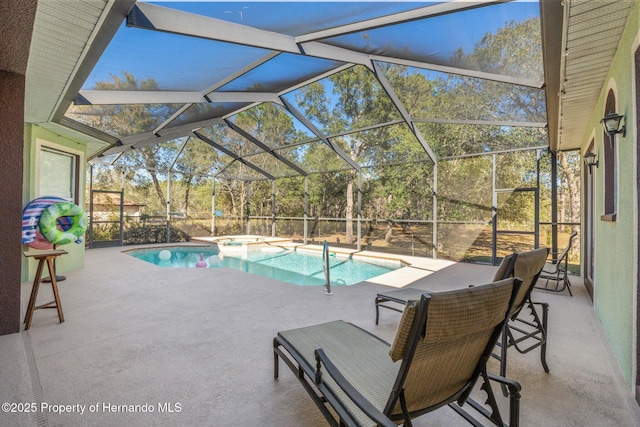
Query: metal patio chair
column 557, row 270
column 526, row 329
column 398, row 298
column 439, row 352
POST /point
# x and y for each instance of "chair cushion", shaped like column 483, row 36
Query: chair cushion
column 528, row 264
column 501, row 272
column 454, row 314
column 459, row 324
column 360, row 356
column 399, row 345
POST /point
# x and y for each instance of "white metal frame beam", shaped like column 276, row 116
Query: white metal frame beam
column 112, row 97
column 320, row 135
column 396, row 18
column 233, row 155
column 403, row 111
column 158, row 18
column 265, row 147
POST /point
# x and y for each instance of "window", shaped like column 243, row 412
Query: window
column 610, row 167
column 58, row 174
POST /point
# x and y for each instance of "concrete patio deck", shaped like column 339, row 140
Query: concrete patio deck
column 193, row 347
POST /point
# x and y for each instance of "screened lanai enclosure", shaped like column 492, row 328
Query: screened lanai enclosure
column 413, row 128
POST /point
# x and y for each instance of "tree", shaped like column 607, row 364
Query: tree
column 356, row 101
column 195, row 166
column 125, row 120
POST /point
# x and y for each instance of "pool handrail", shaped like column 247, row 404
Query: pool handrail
column 326, row 267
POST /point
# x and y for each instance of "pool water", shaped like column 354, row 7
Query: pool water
column 181, row 257
column 287, row 265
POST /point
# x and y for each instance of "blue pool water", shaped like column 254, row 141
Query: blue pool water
column 285, row 264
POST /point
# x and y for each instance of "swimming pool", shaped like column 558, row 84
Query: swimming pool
column 288, row 265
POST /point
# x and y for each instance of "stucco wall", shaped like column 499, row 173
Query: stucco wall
column 615, row 257
column 33, row 133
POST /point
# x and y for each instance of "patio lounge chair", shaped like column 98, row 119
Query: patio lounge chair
column 439, row 352
column 558, row 269
column 526, row 329
column 399, row 297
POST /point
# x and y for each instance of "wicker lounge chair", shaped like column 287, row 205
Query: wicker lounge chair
column 558, row 269
column 439, row 352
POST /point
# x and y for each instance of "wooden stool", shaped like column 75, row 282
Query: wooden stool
column 43, row 256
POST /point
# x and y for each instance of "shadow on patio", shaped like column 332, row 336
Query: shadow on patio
column 193, row 347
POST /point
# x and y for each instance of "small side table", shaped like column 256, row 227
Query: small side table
column 42, row 257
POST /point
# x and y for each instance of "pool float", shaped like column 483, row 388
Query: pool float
column 202, row 263
column 40, row 242
column 31, row 218
column 49, row 223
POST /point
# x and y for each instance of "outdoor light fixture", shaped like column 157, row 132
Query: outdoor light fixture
column 591, row 160
column 611, row 124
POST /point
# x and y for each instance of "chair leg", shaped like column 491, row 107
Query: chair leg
column 503, row 357
column 503, row 352
column 543, row 348
column 377, row 311
column 276, row 365
column 567, row 284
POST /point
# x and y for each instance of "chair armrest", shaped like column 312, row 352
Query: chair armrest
column 513, row 386
column 514, row 389
column 358, row 399
column 543, row 304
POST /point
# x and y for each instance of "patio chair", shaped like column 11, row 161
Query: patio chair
column 558, row 269
column 525, row 330
column 439, row 352
column 398, row 298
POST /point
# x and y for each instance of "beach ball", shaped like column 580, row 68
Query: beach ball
column 214, row 260
column 164, row 254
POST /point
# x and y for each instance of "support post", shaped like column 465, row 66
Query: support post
column 213, row 207
column 121, row 224
column 554, row 206
column 273, row 209
column 306, row 208
column 536, row 243
column 494, row 213
column 168, row 207
column 248, row 208
column 90, row 206
column 359, row 213
column 121, row 234
column 434, row 237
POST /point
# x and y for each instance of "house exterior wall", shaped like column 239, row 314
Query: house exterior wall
column 34, row 136
column 616, row 241
column 15, row 37
column 11, row 116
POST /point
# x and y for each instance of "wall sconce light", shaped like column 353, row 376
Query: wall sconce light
column 611, row 124
column 591, row 160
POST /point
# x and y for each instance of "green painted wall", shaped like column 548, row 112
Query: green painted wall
column 615, row 283
column 75, row 259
